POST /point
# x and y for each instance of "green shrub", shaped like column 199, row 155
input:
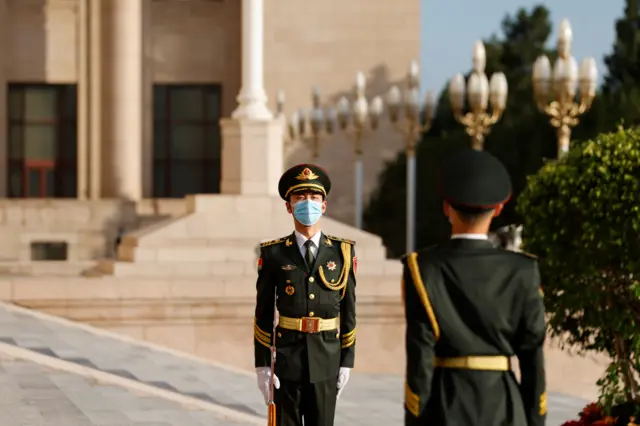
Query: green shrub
column 581, row 217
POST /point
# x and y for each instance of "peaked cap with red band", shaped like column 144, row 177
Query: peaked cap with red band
column 304, row 177
column 474, row 181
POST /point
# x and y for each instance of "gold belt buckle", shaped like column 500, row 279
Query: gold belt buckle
column 310, row 325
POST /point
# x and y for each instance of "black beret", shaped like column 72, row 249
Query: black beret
column 474, row 181
column 304, row 177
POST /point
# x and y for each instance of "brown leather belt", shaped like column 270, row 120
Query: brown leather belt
column 487, row 363
column 309, row 324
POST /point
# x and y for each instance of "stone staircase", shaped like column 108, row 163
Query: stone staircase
column 218, row 239
column 188, row 282
column 45, row 269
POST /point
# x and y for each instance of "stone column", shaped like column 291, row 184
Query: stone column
column 252, row 98
column 4, row 143
column 126, row 103
column 84, row 78
column 95, row 98
column 252, row 140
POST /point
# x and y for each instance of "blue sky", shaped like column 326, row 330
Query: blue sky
column 450, row 28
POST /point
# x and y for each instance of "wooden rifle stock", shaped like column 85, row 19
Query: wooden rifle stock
column 272, row 414
column 272, row 404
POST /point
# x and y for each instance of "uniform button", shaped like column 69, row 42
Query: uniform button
column 312, row 296
column 311, row 314
column 311, row 279
column 279, row 334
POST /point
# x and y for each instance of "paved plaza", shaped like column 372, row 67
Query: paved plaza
column 53, row 372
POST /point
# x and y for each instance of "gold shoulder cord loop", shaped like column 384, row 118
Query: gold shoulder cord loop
column 344, row 275
column 421, row 289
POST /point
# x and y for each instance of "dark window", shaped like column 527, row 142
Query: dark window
column 56, row 250
column 186, row 140
column 42, row 140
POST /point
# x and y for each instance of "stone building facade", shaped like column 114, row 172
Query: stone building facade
column 121, row 99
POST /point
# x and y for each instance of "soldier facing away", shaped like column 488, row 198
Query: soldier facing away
column 314, row 277
column 469, row 308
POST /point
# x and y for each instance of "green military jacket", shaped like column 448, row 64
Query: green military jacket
column 326, row 290
column 466, row 298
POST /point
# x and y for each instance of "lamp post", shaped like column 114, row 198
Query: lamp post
column 480, row 93
column 288, row 136
column 412, row 128
column 319, row 120
column 563, row 110
column 280, row 98
column 356, row 121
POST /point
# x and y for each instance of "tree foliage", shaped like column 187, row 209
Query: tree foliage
column 623, row 63
column 621, row 86
column 582, row 218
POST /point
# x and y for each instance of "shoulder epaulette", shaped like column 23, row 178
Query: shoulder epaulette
column 342, row 240
column 406, row 255
column 529, row 255
column 272, row 242
column 521, row 253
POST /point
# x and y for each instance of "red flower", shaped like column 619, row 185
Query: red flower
column 591, row 413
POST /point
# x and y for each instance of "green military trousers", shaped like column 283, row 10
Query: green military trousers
column 313, row 402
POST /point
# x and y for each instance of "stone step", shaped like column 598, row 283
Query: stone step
column 24, row 289
column 223, row 268
column 191, row 241
column 45, row 268
column 221, row 252
column 219, row 237
column 221, row 309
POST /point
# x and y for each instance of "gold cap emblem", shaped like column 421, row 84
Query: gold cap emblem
column 307, row 174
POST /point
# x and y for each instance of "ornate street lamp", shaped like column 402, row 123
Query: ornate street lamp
column 412, row 127
column 356, row 121
column 318, row 122
column 480, row 93
column 561, row 86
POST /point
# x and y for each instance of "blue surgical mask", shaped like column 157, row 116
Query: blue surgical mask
column 307, row 212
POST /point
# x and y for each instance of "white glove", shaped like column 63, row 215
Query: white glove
column 343, row 378
column 264, row 381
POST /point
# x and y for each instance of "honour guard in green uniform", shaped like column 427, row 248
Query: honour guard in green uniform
column 469, row 308
column 310, row 278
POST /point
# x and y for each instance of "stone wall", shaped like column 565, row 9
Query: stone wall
column 216, row 321
column 307, row 43
column 42, row 41
column 89, row 227
column 324, row 44
column 212, row 320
